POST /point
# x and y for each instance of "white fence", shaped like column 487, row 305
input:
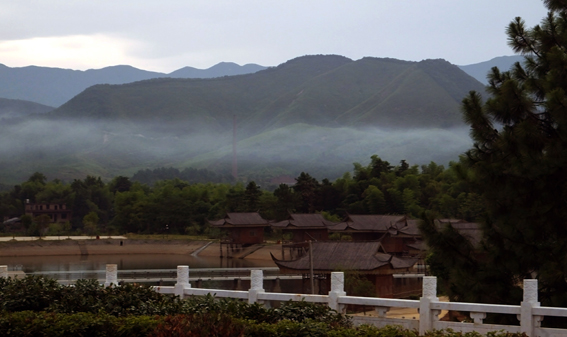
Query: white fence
column 529, row 312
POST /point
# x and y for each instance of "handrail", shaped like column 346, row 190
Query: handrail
column 529, row 312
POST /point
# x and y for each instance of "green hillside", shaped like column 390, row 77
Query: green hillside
column 328, row 152
column 15, row 108
column 313, row 113
column 316, row 90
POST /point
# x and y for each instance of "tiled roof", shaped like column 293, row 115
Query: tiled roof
column 372, row 223
column 304, row 221
column 343, row 255
column 241, row 219
column 412, row 228
column 472, row 231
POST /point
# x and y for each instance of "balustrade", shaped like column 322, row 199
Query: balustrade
column 530, row 314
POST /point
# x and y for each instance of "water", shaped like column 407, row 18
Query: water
column 67, row 263
column 72, row 267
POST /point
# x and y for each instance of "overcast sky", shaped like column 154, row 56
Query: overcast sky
column 167, row 35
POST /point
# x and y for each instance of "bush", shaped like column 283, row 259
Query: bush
column 29, row 293
column 292, row 311
column 211, row 324
column 29, row 323
column 36, row 293
column 38, row 306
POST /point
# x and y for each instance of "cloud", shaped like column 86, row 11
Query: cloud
column 77, row 51
column 170, row 34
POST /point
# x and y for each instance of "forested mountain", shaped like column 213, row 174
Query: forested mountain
column 55, row 86
column 15, row 108
column 313, row 113
column 315, row 90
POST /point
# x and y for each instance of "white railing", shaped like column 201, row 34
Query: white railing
column 529, row 312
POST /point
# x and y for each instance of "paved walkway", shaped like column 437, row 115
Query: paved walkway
column 62, row 237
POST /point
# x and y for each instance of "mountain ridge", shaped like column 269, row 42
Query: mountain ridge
column 316, row 113
column 321, row 90
column 55, row 86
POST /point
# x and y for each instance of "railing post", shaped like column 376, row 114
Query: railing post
column 426, row 315
column 256, row 285
column 111, row 275
column 4, row 271
column 337, row 289
column 527, row 320
column 182, row 281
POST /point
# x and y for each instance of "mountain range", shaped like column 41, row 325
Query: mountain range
column 317, row 113
column 55, row 86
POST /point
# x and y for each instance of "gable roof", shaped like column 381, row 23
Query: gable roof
column 303, row 220
column 240, row 219
column 471, row 231
column 347, row 255
column 412, row 228
column 371, row 223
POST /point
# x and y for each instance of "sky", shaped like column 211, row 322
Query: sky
column 167, row 35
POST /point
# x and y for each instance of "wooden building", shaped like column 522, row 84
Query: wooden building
column 398, row 234
column 303, row 228
column 243, row 230
column 471, row 231
column 392, row 276
column 57, row 212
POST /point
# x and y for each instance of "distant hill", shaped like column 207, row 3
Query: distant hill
column 316, row 113
column 14, row 108
column 55, row 86
column 218, row 70
column 481, row 70
column 315, row 90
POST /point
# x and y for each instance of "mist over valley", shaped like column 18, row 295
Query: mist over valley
column 316, row 114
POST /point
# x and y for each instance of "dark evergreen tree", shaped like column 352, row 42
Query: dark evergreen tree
column 252, row 196
column 518, row 167
column 379, row 166
column 308, row 189
column 286, row 201
column 119, row 184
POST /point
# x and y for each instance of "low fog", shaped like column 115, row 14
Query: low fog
column 69, row 150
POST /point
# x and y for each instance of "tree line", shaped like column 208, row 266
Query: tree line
column 123, row 205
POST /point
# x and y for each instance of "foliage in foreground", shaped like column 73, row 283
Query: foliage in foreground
column 38, row 306
column 28, row 323
column 517, row 166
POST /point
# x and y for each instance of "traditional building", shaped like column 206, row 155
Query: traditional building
column 243, row 230
column 471, row 231
column 57, row 212
column 392, row 276
column 397, row 233
column 303, row 228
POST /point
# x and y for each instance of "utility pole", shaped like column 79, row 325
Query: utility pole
column 311, row 267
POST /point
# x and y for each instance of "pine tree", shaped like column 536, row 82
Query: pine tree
column 518, row 166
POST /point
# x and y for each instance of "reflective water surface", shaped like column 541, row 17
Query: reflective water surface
column 30, row 264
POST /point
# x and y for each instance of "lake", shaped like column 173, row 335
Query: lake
column 68, row 267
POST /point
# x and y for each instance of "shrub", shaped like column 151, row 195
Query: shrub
column 29, row 323
column 210, row 324
column 32, row 292
column 36, row 293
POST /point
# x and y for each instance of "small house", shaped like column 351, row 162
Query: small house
column 243, row 230
column 302, row 228
column 305, row 227
column 58, row 213
column 395, row 232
